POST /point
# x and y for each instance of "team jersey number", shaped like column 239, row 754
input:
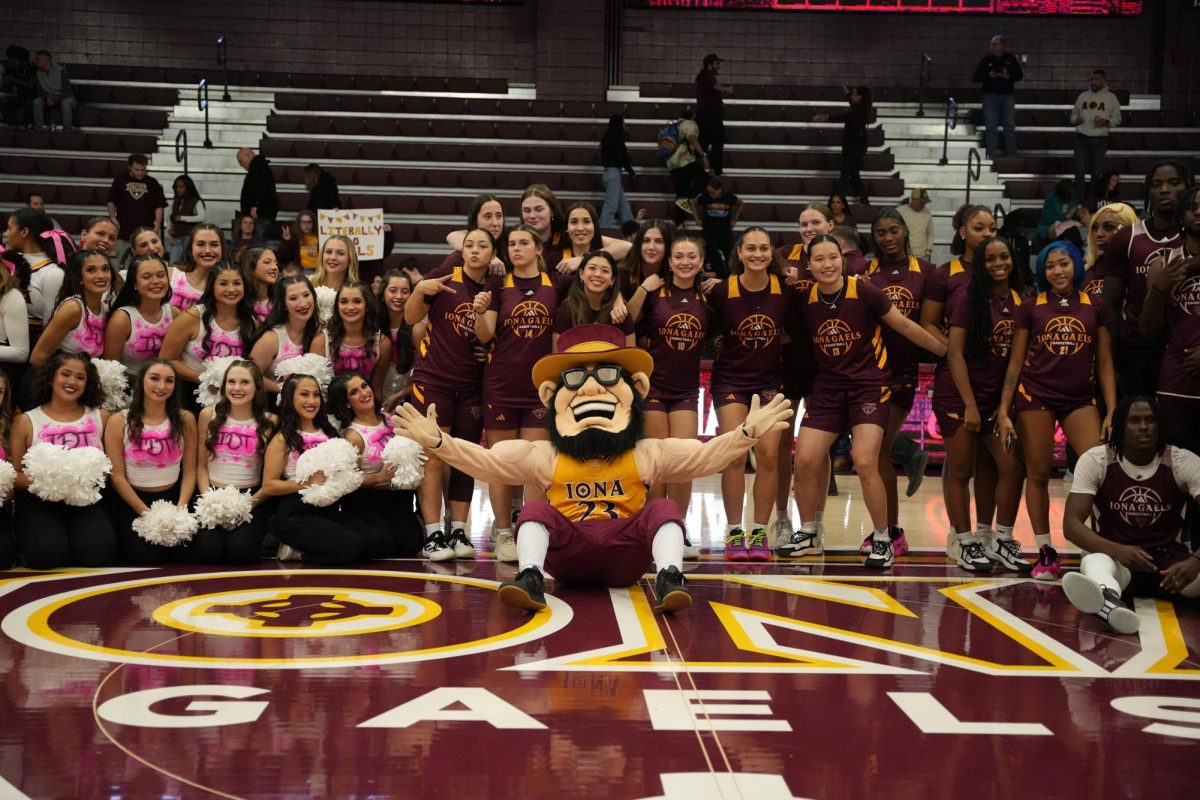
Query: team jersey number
column 597, row 509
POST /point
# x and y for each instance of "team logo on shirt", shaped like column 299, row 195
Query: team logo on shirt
column 462, row 317
column 1140, row 506
column 756, row 332
column 1065, row 336
column 682, row 332
column 902, row 298
column 137, row 190
column 1094, row 286
column 1187, row 296
column 835, row 337
column 1163, row 252
column 1002, row 333
column 529, row 319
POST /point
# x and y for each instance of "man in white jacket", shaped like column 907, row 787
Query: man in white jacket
column 1096, row 112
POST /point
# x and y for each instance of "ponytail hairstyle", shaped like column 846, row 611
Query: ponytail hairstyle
column 135, row 416
column 265, row 429
column 965, row 213
column 557, row 223
column 37, row 224
column 577, row 300
column 891, row 215
column 537, row 242
column 597, row 239
column 777, row 265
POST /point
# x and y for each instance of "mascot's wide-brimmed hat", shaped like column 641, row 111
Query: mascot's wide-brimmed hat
column 591, row 344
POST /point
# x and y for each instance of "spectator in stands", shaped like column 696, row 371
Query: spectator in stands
column 841, row 210
column 1108, row 189
column 18, row 87
column 710, row 112
column 299, row 245
column 322, row 188
column 243, row 234
column 854, row 140
column 259, row 198
column 998, row 73
column 716, row 211
column 1097, row 111
column 688, row 165
column 919, row 220
column 37, row 202
column 1056, row 208
column 187, row 211
column 135, row 200
column 614, row 157
column 54, row 91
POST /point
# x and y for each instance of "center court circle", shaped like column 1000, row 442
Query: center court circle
column 278, row 619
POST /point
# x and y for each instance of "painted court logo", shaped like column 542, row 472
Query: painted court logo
column 682, row 332
column 1140, row 506
column 756, row 332
column 529, row 319
column 1065, row 336
column 835, row 337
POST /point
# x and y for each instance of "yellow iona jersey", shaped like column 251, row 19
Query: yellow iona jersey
column 595, row 490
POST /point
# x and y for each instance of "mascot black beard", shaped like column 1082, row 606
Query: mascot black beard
column 595, row 527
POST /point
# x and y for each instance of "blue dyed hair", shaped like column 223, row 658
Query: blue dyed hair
column 1039, row 268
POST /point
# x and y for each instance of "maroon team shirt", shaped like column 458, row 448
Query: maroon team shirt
column 446, row 356
column 986, row 373
column 904, row 284
column 525, row 310
column 1183, row 332
column 674, row 324
column 855, row 263
column 846, row 334
column 947, row 281
column 1147, row 512
column 1128, row 256
column 562, row 320
column 751, row 326
column 1060, row 364
column 1093, row 284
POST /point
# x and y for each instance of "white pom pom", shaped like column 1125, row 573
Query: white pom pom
column 325, row 299
column 59, row 475
column 114, row 382
column 212, row 379
column 226, row 508
column 8, row 477
column 337, row 459
column 408, row 458
column 308, row 364
column 166, row 524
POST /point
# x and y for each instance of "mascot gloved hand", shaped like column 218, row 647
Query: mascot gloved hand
column 597, row 526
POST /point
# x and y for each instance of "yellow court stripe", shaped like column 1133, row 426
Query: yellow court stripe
column 1177, row 650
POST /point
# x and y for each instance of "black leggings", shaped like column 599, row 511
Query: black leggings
column 327, row 536
column 133, row 548
column 53, row 535
column 7, row 549
column 392, row 511
column 241, row 544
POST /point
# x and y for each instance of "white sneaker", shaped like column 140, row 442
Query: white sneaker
column 803, row 543
column 881, row 555
column 461, row 545
column 690, row 551
column 1092, row 598
column 287, row 553
column 506, row 547
column 781, row 533
column 971, row 556
column 1007, row 553
column 436, row 548
column 952, row 546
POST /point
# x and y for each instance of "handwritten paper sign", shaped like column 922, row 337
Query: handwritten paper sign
column 364, row 226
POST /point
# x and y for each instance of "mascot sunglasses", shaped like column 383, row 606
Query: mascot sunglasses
column 605, row 375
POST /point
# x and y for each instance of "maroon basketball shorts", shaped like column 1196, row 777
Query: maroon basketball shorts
column 833, row 408
column 1026, row 399
column 600, row 552
column 507, row 418
column 689, row 401
column 950, row 411
column 904, row 388
column 456, row 410
column 799, row 371
column 725, row 396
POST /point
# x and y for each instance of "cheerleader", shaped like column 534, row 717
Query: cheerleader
column 144, row 242
column 290, row 329
column 152, row 447
column 355, row 339
column 137, row 328
column 901, row 276
column 66, row 397
column 394, row 291
column 966, row 395
column 593, row 296
column 324, row 535
column 205, row 250
column 260, row 271
column 77, row 325
column 384, row 509
column 6, row 511
column 647, row 255
column 1061, row 343
column 32, row 253
column 448, row 374
column 516, row 320
column 673, row 321
column 752, row 307
column 338, row 264
column 852, row 390
column 99, row 233
column 236, row 431
column 221, row 324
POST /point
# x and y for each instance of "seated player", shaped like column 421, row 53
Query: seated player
column 1136, row 486
column 596, row 527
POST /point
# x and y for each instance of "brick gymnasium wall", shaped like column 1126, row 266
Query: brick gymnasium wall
column 559, row 44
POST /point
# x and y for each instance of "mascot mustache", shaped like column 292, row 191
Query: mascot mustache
column 594, row 443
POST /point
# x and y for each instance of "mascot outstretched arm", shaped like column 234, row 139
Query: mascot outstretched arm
column 596, row 526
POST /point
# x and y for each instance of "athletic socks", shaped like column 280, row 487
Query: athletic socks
column 731, row 527
column 532, row 546
column 963, row 537
column 1043, row 539
column 881, row 535
column 457, row 526
column 667, row 546
column 1004, row 532
column 432, row 528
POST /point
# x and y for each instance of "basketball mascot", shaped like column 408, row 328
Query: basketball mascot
column 595, row 527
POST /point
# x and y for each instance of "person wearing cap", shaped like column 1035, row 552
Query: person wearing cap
column 710, row 111
column 998, row 73
column 596, row 526
column 919, row 220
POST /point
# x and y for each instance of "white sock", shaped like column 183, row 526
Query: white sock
column 1043, row 539
column 963, row 537
column 808, row 527
column 730, row 527
column 432, row 528
column 503, row 532
column 458, row 526
column 532, row 545
column 1105, row 571
column 983, row 529
column 1004, row 532
column 880, row 535
column 667, row 547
